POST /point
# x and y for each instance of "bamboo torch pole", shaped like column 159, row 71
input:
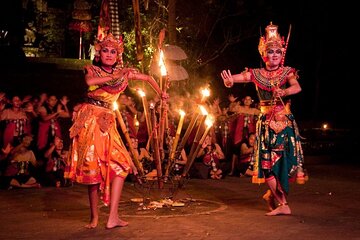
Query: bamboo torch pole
column 156, row 148
column 146, row 111
column 205, row 93
column 163, row 111
column 198, row 131
column 134, row 154
column 175, row 143
column 188, row 131
column 209, row 122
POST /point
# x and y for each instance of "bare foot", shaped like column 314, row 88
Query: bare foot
column 283, row 209
column 92, row 224
column 269, row 199
column 117, row 223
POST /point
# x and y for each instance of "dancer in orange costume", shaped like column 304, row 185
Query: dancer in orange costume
column 99, row 158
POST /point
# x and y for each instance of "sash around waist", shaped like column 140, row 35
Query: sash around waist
column 274, row 107
column 99, row 103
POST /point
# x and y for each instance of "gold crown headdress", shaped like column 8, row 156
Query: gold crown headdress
column 271, row 39
column 110, row 41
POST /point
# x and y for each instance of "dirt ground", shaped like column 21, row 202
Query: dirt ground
column 326, row 207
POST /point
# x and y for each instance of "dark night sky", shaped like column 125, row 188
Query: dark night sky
column 321, row 47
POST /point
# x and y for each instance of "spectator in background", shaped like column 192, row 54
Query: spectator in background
column 245, row 122
column 49, row 126
column 56, row 161
column 21, row 163
column 16, row 122
column 246, row 159
column 211, row 155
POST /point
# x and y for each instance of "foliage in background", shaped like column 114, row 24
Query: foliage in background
column 53, row 39
column 203, row 30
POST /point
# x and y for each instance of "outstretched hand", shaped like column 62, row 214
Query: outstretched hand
column 216, row 102
column 227, row 78
column 231, row 98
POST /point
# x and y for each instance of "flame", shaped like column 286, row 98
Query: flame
column 209, row 121
column 162, row 64
column 141, row 93
column 115, row 106
column 136, row 121
column 205, row 92
column 151, row 105
column 182, row 113
column 203, row 110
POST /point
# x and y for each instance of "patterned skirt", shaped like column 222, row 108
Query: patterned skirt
column 97, row 153
column 279, row 147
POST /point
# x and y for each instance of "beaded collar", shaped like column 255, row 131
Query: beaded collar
column 266, row 80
